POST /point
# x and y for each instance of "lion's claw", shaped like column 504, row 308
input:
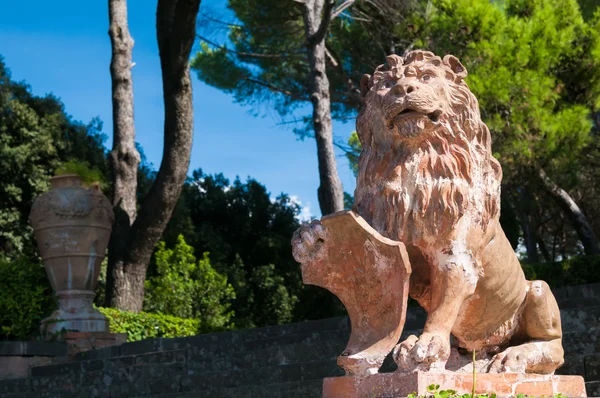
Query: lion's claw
column 426, row 352
column 308, row 240
column 513, row 360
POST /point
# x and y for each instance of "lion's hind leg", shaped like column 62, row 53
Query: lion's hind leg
column 539, row 333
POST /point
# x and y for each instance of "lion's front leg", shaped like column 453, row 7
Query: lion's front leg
column 540, row 334
column 453, row 279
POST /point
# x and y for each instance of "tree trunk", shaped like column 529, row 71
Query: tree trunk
column 528, row 224
column 317, row 16
column 576, row 217
column 176, row 31
column 124, row 157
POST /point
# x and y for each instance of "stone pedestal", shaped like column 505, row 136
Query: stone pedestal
column 392, row 385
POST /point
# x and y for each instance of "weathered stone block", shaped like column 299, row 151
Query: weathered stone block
column 592, row 367
column 212, row 359
column 573, row 366
column 580, row 319
column 593, row 388
column 394, row 385
column 127, row 382
column 21, row 385
column 203, row 381
column 582, row 342
column 161, row 357
column 59, row 369
column 163, row 385
column 119, row 363
column 141, row 347
column 69, row 381
column 92, row 366
column 100, row 353
column 177, row 343
column 337, row 323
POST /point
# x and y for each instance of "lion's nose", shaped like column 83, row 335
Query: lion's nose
column 403, row 88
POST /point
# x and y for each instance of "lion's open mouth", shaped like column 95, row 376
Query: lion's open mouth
column 433, row 116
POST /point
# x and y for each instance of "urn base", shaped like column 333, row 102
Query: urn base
column 75, row 313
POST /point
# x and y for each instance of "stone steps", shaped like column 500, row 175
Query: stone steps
column 304, row 389
column 261, row 376
column 277, row 361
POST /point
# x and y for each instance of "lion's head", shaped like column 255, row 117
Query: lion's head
column 426, row 160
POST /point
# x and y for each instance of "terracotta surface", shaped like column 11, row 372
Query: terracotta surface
column 427, row 178
column 391, row 385
column 369, row 274
column 72, row 225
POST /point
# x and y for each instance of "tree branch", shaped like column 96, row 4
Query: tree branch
column 241, row 53
column 271, row 87
column 341, row 8
column 319, row 35
column 353, row 90
column 228, row 24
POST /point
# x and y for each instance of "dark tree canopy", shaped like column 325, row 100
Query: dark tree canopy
column 37, row 136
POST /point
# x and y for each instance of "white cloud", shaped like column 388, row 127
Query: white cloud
column 305, row 213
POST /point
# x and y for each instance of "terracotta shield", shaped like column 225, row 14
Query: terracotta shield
column 369, row 274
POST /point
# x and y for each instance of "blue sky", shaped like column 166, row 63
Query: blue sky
column 63, row 48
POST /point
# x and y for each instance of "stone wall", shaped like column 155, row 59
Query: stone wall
column 279, row 361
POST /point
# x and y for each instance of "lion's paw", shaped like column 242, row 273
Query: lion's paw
column 307, row 241
column 511, row 360
column 430, row 351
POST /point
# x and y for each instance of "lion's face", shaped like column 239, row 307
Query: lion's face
column 410, row 101
column 411, row 96
column 426, row 158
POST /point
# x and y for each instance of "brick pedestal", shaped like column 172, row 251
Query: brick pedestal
column 84, row 341
column 395, row 385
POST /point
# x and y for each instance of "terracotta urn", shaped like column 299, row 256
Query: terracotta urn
column 72, row 226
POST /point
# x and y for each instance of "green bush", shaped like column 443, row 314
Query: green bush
column 189, row 288
column 25, row 297
column 574, row 271
column 148, row 326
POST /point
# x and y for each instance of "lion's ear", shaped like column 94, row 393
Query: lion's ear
column 459, row 70
column 364, row 84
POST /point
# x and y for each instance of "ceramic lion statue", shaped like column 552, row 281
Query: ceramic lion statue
column 427, row 178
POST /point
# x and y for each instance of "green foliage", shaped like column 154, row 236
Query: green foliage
column 36, row 137
column 433, row 391
column 533, row 65
column 89, row 175
column 573, row 271
column 272, row 300
column 353, row 152
column 143, row 325
column 248, row 235
column 25, row 297
column 186, row 288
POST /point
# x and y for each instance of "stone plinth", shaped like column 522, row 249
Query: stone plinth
column 84, row 341
column 392, row 385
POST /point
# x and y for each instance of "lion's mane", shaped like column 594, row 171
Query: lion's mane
column 426, row 185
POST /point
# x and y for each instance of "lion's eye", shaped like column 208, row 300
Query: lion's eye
column 388, row 84
column 426, row 77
